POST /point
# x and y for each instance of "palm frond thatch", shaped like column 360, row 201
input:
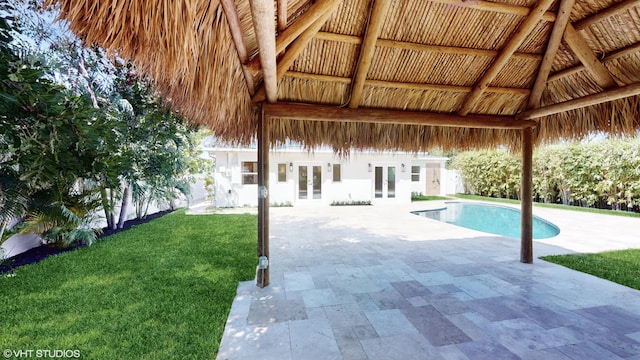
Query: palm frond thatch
column 428, row 56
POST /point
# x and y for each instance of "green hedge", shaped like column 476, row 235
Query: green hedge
column 603, row 174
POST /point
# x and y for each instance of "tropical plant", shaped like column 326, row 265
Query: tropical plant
column 79, row 132
column 65, row 221
column 603, row 174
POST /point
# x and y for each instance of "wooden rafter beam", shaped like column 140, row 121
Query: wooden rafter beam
column 449, row 88
column 603, row 14
column 316, row 11
column 302, row 23
column 409, row 86
column 351, row 39
column 231, row 13
column 581, row 49
column 376, row 20
column 263, row 15
column 498, row 7
column 296, row 111
column 595, row 99
column 505, row 54
column 229, row 7
column 610, row 57
column 282, row 15
column 297, row 47
column 562, row 19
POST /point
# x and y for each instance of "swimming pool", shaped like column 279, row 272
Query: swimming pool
column 499, row 220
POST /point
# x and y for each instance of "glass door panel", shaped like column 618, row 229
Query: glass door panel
column 317, row 182
column 378, row 182
column 302, row 182
column 391, row 182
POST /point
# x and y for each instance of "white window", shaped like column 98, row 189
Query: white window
column 282, row 172
column 337, row 174
column 415, row 173
column 249, row 172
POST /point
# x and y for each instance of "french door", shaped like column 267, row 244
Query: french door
column 309, row 182
column 384, row 182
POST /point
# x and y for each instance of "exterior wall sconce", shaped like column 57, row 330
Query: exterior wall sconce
column 329, row 167
column 369, row 167
column 290, row 167
column 403, row 167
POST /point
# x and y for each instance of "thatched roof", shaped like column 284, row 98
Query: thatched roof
column 442, row 61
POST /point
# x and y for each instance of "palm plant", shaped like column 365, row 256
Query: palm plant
column 69, row 219
column 13, row 198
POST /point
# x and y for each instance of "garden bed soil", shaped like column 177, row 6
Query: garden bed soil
column 42, row 252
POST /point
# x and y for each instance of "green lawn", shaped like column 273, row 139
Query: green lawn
column 161, row 290
column 429, row 198
column 622, row 267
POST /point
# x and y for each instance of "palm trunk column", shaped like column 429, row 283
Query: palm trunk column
column 526, row 242
column 262, row 278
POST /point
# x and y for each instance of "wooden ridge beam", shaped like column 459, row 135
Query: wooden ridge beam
column 581, row 49
column 603, row 14
column 351, row 39
column 562, row 19
column 263, row 14
column 451, row 49
column 297, row 111
column 400, row 85
column 376, row 20
column 501, row 60
column 297, row 47
column 609, row 57
column 450, row 88
column 318, row 77
column 589, row 100
column 496, row 7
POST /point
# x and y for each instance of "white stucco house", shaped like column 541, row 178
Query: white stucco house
column 299, row 177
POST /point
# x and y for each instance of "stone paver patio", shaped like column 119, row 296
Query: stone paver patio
column 380, row 283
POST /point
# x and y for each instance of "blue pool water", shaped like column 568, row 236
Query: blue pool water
column 499, row 220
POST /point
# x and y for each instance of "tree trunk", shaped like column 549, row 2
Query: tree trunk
column 146, row 209
column 112, row 216
column 105, row 205
column 139, row 206
column 85, row 74
column 124, row 207
column 2, row 228
column 565, row 196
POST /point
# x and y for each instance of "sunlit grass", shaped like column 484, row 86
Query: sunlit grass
column 429, row 198
column 622, row 267
column 162, row 290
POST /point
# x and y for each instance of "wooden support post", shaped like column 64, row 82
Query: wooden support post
column 526, row 235
column 262, row 278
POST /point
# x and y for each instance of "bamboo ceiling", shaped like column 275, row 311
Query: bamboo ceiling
column 567, row 67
